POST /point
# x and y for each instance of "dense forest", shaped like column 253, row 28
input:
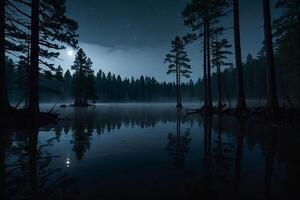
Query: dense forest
column 114, row 88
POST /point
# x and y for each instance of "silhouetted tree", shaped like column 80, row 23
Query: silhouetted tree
column 287, row 35
column 178, row 64
column 241, row 101
column 11, row 41
column 272, row 99
column 22, row 79
column 204, row 13
column 67, row 85
column 83, row 81
column 178, row 145
column 195, row 17
column 50, row 28
column 33, row 103
column 220, row 52
column 4, row 103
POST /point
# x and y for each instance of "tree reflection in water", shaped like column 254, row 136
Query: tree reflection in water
column 221, row 157
column 178, row 144
column 27, row 171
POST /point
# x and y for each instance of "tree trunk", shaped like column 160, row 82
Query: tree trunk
column 298, row 44
column 272, row 99
column 177, row 99
column 177, row 85
column 178, row 124
column 205, row 65
column 220, row 104
column 209, row 95
column 241, row 102
column 4, row 103
column 218, row 49
column 179, row 88
column 34, row 60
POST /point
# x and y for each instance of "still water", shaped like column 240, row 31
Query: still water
column 139, row 151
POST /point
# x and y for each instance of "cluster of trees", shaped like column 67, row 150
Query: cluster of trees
column 108, row 87
column 32, row 32
column 100, row 86
column 204, row 16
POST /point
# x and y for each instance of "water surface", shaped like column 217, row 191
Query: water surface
column 149, row 151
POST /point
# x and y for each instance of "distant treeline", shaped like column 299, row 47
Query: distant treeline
column 113, row 88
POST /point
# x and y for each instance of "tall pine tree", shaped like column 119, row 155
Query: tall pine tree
column 272, row 99
column 49, row 30
column 220, row 54
column 241, row 100
column 83, row 79
column 179, row 64
column 201, row 15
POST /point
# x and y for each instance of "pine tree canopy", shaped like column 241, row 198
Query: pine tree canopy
column 178, row 58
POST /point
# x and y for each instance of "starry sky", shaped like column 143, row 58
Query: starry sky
column 132, row 37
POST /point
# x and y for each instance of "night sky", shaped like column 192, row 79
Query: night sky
column 131, row 37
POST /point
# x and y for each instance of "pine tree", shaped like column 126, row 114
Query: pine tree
column 287, row 35
column 241, row 101
column 202, row 15
column 220, row 54
column 12, row 38
column 67, row 85
column 57, row 81
column 59, row 73
column 4, row 103
column 22, row 79
column 179, row 64
column 83, row 80
column 272, row 99
column 49, row 30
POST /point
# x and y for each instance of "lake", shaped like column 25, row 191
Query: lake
column 150, row 151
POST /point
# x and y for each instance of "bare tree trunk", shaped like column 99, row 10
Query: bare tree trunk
column 4, row 103
column 178, row 124
column 220, row 104
column 179, row 88
column 298, row 44
column 205, row 65
column 177, row 96
column 272, row 99
column 209, row 95
column 33, row 104
column 241, row 102
column 177, row 84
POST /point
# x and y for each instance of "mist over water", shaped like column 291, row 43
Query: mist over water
column 149, row 151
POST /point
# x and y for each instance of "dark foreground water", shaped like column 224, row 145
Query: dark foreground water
column 128, row 151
